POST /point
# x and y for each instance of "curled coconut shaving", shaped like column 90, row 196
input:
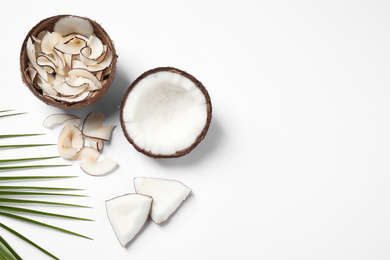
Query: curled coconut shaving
column 68, row 68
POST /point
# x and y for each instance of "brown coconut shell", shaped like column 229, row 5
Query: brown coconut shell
column 200, row 137
column 48, row 24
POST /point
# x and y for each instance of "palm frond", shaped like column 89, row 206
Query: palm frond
column 3, row 187
column 17, row 135
column 26, row 193
column 14, row 114
column 43, row 202
column 22, row 145
column 29, row 220
column 8, row 168
column 27, row 240
column 8, row 202
column 26, row 159
column 20, row 178
column 38, row 212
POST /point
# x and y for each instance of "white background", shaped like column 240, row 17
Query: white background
column 296, row 162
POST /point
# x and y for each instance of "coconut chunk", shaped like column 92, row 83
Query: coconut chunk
column 70, row 141
column 128, row 214
column 72, row 25
column 57, row 119
column 93, row 128
column 167, row 196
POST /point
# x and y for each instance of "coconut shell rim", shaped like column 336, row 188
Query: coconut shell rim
column 198, row 139
column 49, row 100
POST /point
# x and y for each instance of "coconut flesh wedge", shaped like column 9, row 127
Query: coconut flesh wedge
column 63, row 58
column 165, row 113
column 127, row 215
column 167, row 196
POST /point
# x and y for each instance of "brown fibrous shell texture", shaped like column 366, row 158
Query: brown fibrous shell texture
column 199, row 138
column 48, row 25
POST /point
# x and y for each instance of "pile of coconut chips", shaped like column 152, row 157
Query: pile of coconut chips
column 67, row 66
column 71, row 142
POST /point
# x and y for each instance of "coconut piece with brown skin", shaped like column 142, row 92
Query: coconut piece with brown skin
column 128, row 214
column 59, row 40
column 165, row 113
column 167, row 196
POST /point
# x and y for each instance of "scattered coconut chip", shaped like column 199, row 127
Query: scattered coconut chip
column 167, row 196
column 87, row 152
column 128, row 214
column 98, row 168
column 96, row 144
column 69, row 142
column 73, row 121
column 93, row 128
column 57, row 119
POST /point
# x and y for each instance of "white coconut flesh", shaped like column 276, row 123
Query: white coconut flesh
column 164, row 113
column 127, row 215
column 69, row 64
column 167, row 196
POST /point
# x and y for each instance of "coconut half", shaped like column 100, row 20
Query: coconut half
column 68, row 61
column 165, row 113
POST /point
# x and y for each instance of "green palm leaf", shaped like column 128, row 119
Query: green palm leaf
column 7, row 250
column 41, row 224
column 38, row 193
column 22, row 145
column 17, row 135
column 9, row 192
column 27, row 159
column 14, row 114
column 3, row 187
column 27, row 240
column 38, row 212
